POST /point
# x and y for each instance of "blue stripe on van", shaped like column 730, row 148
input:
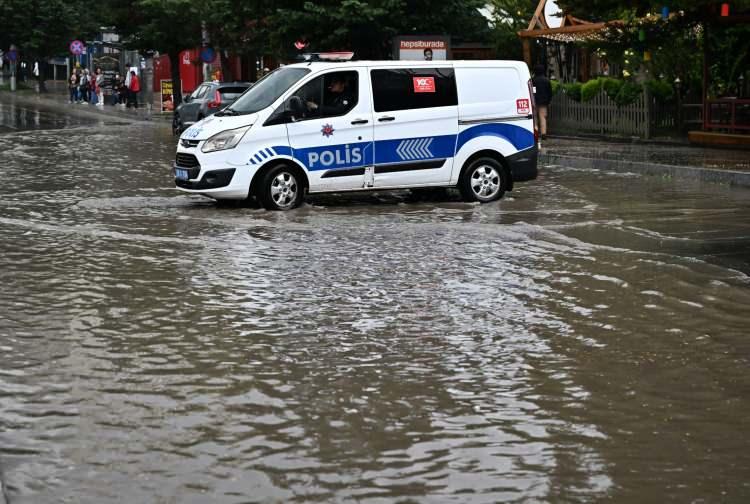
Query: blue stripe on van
column 329, row 157
column 520, row 137
column 414, row 149
column 401, row 150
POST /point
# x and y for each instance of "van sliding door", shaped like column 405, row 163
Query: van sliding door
column 416, row 123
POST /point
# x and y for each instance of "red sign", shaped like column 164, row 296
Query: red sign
column 424, row 84
column 523, row 106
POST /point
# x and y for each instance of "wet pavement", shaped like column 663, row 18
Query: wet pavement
column 651, row 152
column 584, row 339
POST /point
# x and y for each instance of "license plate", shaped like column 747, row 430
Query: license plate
column 180, row 174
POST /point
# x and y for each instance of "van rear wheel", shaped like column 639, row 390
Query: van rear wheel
column 281, row 189
column 483, row 180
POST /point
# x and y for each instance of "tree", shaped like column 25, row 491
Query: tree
column 41, row 29
column 367, row 28
column 607, row 10
column 167, row 26
column 508, row 18
column 240, row 27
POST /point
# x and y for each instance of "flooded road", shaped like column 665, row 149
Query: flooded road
column 584, row 339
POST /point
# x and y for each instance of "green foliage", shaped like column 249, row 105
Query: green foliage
column 605, row 10
column 622, row 92
column 573, row 90
column 611, row 86
column 44, row 28
column 508, row 18
column 556, row 86
column 660, row 90
column 367, row 27
column 629, row 92
column 590, row 89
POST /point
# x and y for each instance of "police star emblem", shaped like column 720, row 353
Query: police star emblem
column 327, row 130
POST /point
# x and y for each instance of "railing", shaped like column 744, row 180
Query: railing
column 727, row 114
column 602, row 116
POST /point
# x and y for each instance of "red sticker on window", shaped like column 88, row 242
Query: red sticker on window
column 523, row 106
column 424, row 84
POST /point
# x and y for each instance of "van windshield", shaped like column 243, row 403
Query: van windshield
column 267, row 90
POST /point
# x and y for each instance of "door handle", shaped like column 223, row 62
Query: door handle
column 386, row 118
column 360, row 121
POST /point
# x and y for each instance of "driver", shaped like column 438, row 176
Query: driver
column 340, row 98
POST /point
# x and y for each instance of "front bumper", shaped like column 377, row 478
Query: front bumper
column 209, row 175
column 213, row 179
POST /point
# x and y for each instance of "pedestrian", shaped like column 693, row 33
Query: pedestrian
column 118, row 93
column 542, row 98
column 73, row 87
column 83, row 86
column 92, row 90
column 100, row 87
column 135, row 87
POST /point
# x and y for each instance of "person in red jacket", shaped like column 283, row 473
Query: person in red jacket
column 135, row 87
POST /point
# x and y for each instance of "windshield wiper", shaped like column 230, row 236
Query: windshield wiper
column 227, row 111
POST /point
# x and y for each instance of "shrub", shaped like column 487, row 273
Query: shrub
column 611, row 86
column 590, row 89
column 661, row 90
column 555, row 86
column 628, row 93
column 573, row 90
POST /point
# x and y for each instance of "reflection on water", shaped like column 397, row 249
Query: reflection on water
column 583, row 339
column 20, row 117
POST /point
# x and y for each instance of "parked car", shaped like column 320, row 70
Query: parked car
column 208, row 98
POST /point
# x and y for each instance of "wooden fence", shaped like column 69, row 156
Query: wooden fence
column 602, row 116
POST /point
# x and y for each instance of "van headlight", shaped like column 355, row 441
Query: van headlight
column 225, row 140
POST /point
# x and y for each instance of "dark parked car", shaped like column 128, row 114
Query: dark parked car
column 208, row 98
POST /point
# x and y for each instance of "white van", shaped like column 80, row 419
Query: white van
column 366, row 125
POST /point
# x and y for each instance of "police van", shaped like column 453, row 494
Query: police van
column 324, row 126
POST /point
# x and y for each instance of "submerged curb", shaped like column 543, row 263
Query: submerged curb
column 731, row 177
column 60, row 104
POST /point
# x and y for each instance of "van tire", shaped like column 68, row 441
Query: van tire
column 281, row 188
column 484, row 180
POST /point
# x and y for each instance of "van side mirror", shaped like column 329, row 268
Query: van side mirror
column 187, row 99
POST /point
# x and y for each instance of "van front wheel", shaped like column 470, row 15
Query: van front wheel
column 483, row 180
column 280, row 189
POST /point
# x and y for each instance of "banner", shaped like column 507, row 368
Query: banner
column 421, row 48
column 167, row 95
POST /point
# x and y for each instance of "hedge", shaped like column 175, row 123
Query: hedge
column 622, row 92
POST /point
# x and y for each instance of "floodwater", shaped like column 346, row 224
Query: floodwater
column 584, row 339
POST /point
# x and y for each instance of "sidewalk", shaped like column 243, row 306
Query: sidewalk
column 651, row 158
column 57, row 97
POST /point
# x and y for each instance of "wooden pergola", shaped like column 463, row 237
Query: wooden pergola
column 572, row 29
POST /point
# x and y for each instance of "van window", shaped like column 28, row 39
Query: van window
column 268, row 89
column 413, row 88
column 330, row 95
